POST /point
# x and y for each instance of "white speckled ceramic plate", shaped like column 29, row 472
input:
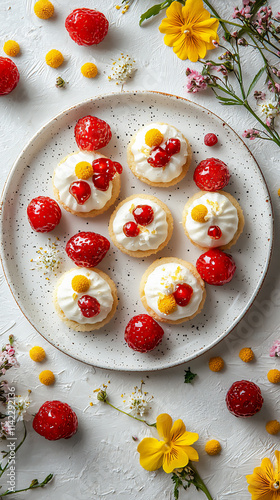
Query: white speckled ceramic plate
column 225, row 306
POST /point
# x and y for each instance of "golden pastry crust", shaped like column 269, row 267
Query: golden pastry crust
column 142, row 253
column 132, row 164
column 92, row 213
column 241, row 220
column 87, row 327
column 151, row 268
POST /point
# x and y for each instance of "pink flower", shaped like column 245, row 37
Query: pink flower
column 275, row 349
column 251, row 134
column 195, row 81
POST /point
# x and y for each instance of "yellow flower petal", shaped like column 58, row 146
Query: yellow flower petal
column 277, row 466
column 175, row 11
column 192, row 453
column 267, row 468
column 206, row 30
column 180, row 437
column 187, row 49
column 164, row 424
column 171, row 39
column 194, row 12
column 151, row 453
column 174, row 459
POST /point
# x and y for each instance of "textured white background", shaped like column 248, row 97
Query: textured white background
column 101, row 461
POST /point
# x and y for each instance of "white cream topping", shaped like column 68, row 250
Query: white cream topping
column 163, row 281
column 141, row 152
column 221, row 213
column 150, row 236
column 64, row 175
column 68, row 299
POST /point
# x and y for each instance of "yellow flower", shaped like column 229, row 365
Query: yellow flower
column 189, row 29
column 173, row 452
column 264, row 483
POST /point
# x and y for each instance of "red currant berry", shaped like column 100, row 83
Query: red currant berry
column 81, row 191
column 143, row 214
column 183, row 294
column 101, row 181
column 89, row 306
column 210, row 140
column 131, row 230
column 244, row 399
column 173, row 146
column 158, row 157
column 214, row 232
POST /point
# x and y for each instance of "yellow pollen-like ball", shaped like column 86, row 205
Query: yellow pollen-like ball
column 167, row 304
column 80, row 283
column 278, row 192
column 273, row 427
column 44, row 9
column 213, row 447
column 37, row 353
column 274, row 376
column 89, row 70
column 153, row 137
column 47, row 377
column 199, row 212
column 11, row 48
column 54, row 58
column 83, row 170
column 246, row 354
column 216, row 364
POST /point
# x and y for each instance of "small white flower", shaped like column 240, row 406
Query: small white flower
column 269, row 108
column 48, row 258
column 138, row 403
column 6, row 429
column 122, row 69
column 21, row 408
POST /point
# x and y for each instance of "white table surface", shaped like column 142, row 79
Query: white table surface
column 101, row 461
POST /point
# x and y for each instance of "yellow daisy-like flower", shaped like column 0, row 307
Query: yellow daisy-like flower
column 173, row 452
column 264, row 483
column 189, row 29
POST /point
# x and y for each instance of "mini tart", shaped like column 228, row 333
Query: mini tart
column 160, row 280
column 138, row 152
column 216, row 208
column 152, row 237
column 64, row 175
column 101, row 287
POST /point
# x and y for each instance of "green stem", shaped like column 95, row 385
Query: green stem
column 129, row 415
column 240, row 79
column 200, row 483
column 222, row 22
column 16, row 449
column 39, row 485
column 272, row 133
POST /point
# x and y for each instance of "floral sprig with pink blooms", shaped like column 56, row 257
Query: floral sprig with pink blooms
column 275, row 349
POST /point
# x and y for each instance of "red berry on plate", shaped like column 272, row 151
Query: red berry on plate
column 92, row 133
column 211, row 174
column 143, row 333
column 55, row 420
column 214, row 232
column 101, row 181
column 210, row 140
column 87, row 249
column 130, row 229
column 43, row 214
column 216, row 267
column 143, row 214
column 172, row 146
column 183, row 294
column 158, row 157
column 87, row 26
column 89, row 306
column 244, row 399
column 9, row 75
column 104, row 171
column 81, row 191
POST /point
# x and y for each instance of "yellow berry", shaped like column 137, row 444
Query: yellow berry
column 246, row 354
column 216, row 364
column 54, row 58
column 198, row 213
column 37, row 353
column 80, row 283
column 44, row 9
column 167, row 304
column 89, row 70
column 273, row 427
column 153, row 137
column 274, row 376
column 11, row 48
column 213, row 447
column 84, row 170
column 47, row 377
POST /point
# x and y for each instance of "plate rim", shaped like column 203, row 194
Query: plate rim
column 131, row 93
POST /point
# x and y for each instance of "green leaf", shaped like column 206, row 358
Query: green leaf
column 189, row 376
column 153, row 11
column 256, row 79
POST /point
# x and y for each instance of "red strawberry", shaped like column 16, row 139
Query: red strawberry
column 92, row 133
column 43, row 214
column 87, row 26
column 216, row 267
column 81, row 191
column 211, row 174
column 244, row 399
column 104, row 171
column 87, row 249
column 89, row 306
column 143, row 333
column 210, row 140
column 9, row 75
column 55, row 420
